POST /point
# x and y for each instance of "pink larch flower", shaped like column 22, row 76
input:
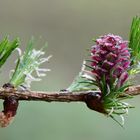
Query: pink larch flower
column 110, row 60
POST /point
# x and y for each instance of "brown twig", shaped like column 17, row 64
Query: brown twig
column 12, row 96
column 64, row 96
column 43, row 96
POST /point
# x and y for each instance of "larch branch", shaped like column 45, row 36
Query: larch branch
column 11, row 98
column 64, row 96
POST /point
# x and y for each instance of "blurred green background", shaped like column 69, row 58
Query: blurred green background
column 68, row 26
